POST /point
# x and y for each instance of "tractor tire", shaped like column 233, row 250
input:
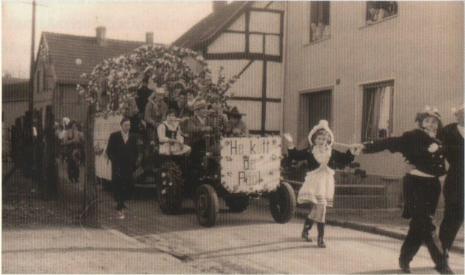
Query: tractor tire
column 170, row 188
column 283, row 203
column 206, row 205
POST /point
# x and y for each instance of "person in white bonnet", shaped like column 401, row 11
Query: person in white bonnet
column 318, row 188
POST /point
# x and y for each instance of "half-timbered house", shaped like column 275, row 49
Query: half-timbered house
column 246, row 39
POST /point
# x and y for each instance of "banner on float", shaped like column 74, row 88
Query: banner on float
column 251, row 164
column 103, row 128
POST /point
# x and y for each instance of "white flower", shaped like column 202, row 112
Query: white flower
column 433, row 147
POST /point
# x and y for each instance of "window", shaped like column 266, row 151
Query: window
column 319, row 20
column 377, row 111
column 380, row 10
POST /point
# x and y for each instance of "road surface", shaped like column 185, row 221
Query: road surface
column 251, row 242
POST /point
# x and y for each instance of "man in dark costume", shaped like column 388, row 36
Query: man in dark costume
column 452, row 138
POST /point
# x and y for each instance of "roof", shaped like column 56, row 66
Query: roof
column 203, row 32
column 66, row 49
column 12, row 80
column 15, row 89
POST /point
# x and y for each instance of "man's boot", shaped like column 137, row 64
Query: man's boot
column 404, row 265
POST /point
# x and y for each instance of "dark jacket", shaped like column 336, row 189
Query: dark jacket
column 141, row 99
column 338, row 160
column 413, row 145
column 123, row 156
column 453, row 151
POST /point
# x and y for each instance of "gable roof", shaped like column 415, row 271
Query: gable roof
column 65, row 49
column 203, row 32
column 15, row 89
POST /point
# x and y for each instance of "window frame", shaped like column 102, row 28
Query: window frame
column 364, row 88
column 382, row 20
column 309, row 28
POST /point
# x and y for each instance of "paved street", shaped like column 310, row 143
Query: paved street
column 252, row 243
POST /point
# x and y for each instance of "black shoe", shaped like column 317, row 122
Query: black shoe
column 321, row 242
column 445, row 269
column 404, row 266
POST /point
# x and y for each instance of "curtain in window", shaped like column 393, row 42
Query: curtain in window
column 378, row 112
column 384, row 112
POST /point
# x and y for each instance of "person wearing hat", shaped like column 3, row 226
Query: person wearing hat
column 196, row 128
column 452, row 138
column 155, row 111
column 421, row 187
column 318, row 188
column 235, row 126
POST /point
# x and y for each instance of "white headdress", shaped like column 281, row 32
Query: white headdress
column 323, row 124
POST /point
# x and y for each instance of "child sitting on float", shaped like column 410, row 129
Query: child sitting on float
column 170, row 136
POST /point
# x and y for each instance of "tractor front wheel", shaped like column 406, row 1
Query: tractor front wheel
column 283, row 203
column 206, row 205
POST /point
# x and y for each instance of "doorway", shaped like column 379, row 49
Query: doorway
column 314, row 106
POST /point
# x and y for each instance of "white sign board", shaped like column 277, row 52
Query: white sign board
column 251, row 165
column 102, row 130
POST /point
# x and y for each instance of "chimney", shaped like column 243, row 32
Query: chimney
column 100, row 35
column 149, row 38
column 218, row 5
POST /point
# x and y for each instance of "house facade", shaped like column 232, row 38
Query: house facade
column 246, row 39
column 366, row 67
column 369, row 67
column 62, row 59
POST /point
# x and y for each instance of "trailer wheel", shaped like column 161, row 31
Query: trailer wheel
column 170, row 188
column 206, row 205
column 283, row 203
column 237, row 204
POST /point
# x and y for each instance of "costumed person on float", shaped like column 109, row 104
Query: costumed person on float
column 170, row 136
column 318, row 188
column 235, row 126
column 155, row 112
column 421, row 188
column 452, row 139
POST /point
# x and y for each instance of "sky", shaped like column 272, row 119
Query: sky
column 123, row 19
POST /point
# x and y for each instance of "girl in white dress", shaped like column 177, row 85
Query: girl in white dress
column 318, row 187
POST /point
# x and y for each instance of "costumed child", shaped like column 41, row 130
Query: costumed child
column 421, row 188
column 318, row 188
column 170, row 136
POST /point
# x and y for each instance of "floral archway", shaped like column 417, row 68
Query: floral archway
column 114, row 82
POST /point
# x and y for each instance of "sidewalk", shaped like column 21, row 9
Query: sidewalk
column 386, row 222
column 78, row 250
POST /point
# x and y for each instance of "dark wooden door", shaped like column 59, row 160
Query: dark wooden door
column 319, row 107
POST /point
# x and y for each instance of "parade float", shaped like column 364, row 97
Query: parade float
column 234, row 169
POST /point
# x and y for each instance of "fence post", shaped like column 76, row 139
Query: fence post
column 90, row 214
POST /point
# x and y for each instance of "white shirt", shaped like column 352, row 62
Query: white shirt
column 125, row 136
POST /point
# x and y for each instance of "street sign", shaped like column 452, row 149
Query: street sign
column 251, row 165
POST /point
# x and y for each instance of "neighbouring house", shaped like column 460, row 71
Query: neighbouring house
column 246, row 39
column 15, row 99
column 62, row 59
column 368, row 67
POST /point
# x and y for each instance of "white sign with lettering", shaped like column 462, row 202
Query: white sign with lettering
column 103, row 128
column 251, row 165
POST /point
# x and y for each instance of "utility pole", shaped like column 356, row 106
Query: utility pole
column 31, row 69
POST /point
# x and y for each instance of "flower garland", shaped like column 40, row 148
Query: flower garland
column 112, row 84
